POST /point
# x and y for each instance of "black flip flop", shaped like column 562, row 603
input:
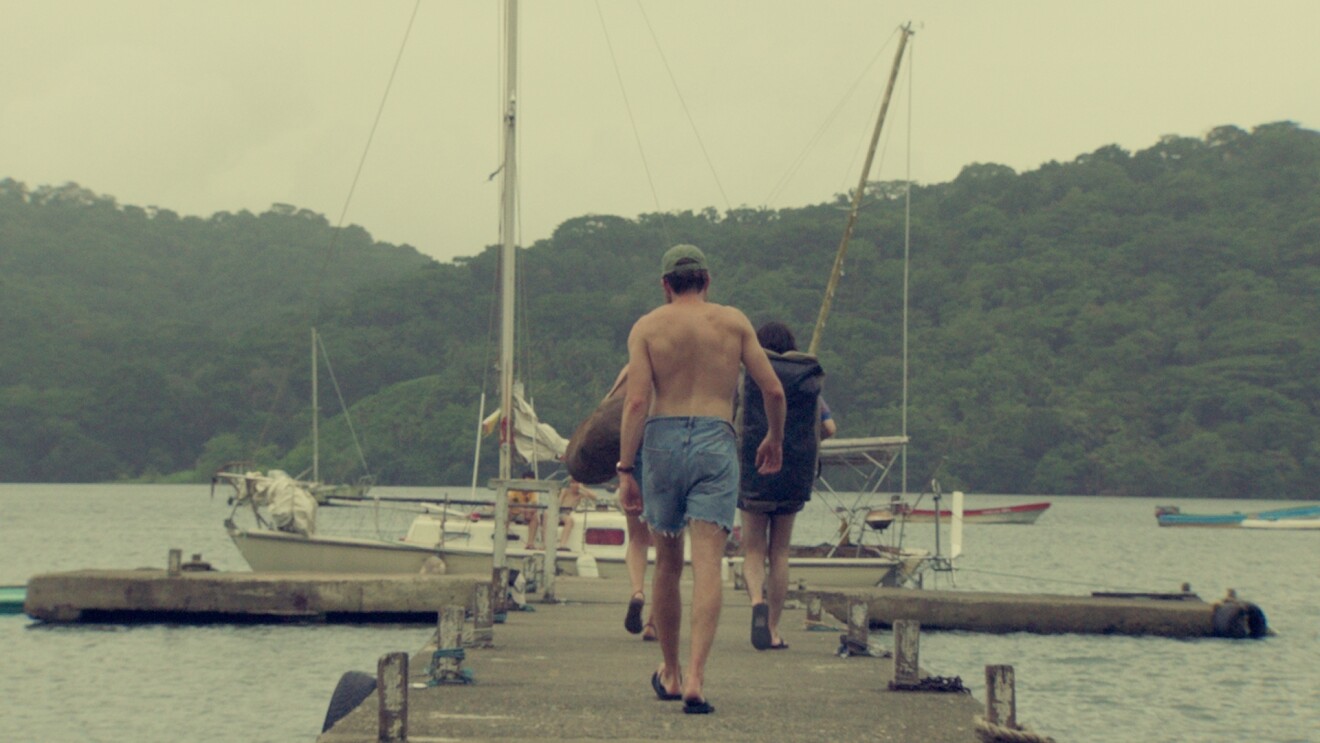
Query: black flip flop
column 633, row 621
column 659, row 687
column 781, row 646
column 697, row 707
column 761, row 626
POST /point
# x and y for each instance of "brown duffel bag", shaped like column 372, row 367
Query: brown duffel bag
column 593, row 449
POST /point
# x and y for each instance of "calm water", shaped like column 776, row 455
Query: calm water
column 272, row 683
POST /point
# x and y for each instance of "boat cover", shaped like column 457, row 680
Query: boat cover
column 288, row 504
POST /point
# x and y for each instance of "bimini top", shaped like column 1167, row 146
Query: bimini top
column 874, row 450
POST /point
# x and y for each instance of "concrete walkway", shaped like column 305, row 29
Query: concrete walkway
column 569, row 671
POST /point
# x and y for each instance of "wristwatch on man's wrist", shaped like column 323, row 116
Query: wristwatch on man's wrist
column 624, row 470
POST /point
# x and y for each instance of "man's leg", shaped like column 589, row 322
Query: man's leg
column 667, row 606
column 708, row 542
column 781, row 534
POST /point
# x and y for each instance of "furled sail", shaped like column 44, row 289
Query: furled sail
column 533, row 440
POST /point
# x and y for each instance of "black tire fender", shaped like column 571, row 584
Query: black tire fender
column 353, row 689
column 1239, row 620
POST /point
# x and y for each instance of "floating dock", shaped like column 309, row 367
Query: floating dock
column 197, row 596
column 1167, row 615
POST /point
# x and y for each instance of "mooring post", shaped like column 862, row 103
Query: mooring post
column 175, row 562
column 907, row 637
column 1000, row 696
column 859, row 624
column 392, row 697
column 483, row 618
column 447, row 662
column 499, row 589
column 814, row 609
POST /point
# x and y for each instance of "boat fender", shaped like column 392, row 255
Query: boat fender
column 196, row 564
column 587, row 567
column 1238, row 619
column 353, row 689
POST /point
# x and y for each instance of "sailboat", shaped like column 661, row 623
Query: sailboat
column 462, row 541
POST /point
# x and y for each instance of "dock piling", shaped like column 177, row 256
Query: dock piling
column 483, row 619
column 814, row 610
column 907, row 636
column 392, row 697
column 499, row 589
column 447, row 661
column 1000, row 696
column 859, row 625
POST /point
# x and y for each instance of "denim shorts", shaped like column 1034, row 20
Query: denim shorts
column 691, row 473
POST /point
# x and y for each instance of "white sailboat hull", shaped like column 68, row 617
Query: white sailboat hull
column 269, row 550
column 845, row 572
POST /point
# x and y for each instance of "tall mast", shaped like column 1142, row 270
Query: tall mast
column 507, row 232
column 316, row 416
column 857, row 199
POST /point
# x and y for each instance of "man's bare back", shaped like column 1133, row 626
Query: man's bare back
column 694, row 350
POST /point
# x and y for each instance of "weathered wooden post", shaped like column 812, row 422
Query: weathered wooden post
column 175, row 562
column 392, row 697
column 499, row 590
column 859, row 623
column 815, row 607
column 907, row 636
column 483, row 618
column 1000, row 696
column 447, row 662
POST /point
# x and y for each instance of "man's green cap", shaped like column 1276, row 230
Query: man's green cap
column 682, row 259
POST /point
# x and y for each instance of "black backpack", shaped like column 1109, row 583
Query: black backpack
column 802, row 377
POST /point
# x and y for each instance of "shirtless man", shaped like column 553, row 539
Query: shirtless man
column 689, row 352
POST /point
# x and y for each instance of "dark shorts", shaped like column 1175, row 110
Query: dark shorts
column 771, row 507
column 691, row 473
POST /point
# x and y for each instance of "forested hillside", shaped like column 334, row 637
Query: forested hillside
column 1126, row 323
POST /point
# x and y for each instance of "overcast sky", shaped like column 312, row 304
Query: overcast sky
column 224, row 105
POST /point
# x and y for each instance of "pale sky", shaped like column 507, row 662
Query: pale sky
column 223, row 105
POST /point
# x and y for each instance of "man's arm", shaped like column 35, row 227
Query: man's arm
column 770, row 454
column 637, row 403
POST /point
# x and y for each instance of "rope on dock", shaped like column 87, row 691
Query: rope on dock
column 989, row 732
column 440, row 674
column 849, row 648
column 933, row 683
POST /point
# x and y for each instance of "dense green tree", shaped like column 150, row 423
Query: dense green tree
column 1133, row 323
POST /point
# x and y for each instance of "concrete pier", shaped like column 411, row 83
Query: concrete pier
column 569, row 671
column 973, row 611
column 159, row 595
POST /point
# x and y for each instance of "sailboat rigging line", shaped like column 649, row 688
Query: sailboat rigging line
column 857, row 200
column 342, row 405
column 825, row 126
column 683, row 102
column 632, row 120
column 318, row 281
column 366, row 148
